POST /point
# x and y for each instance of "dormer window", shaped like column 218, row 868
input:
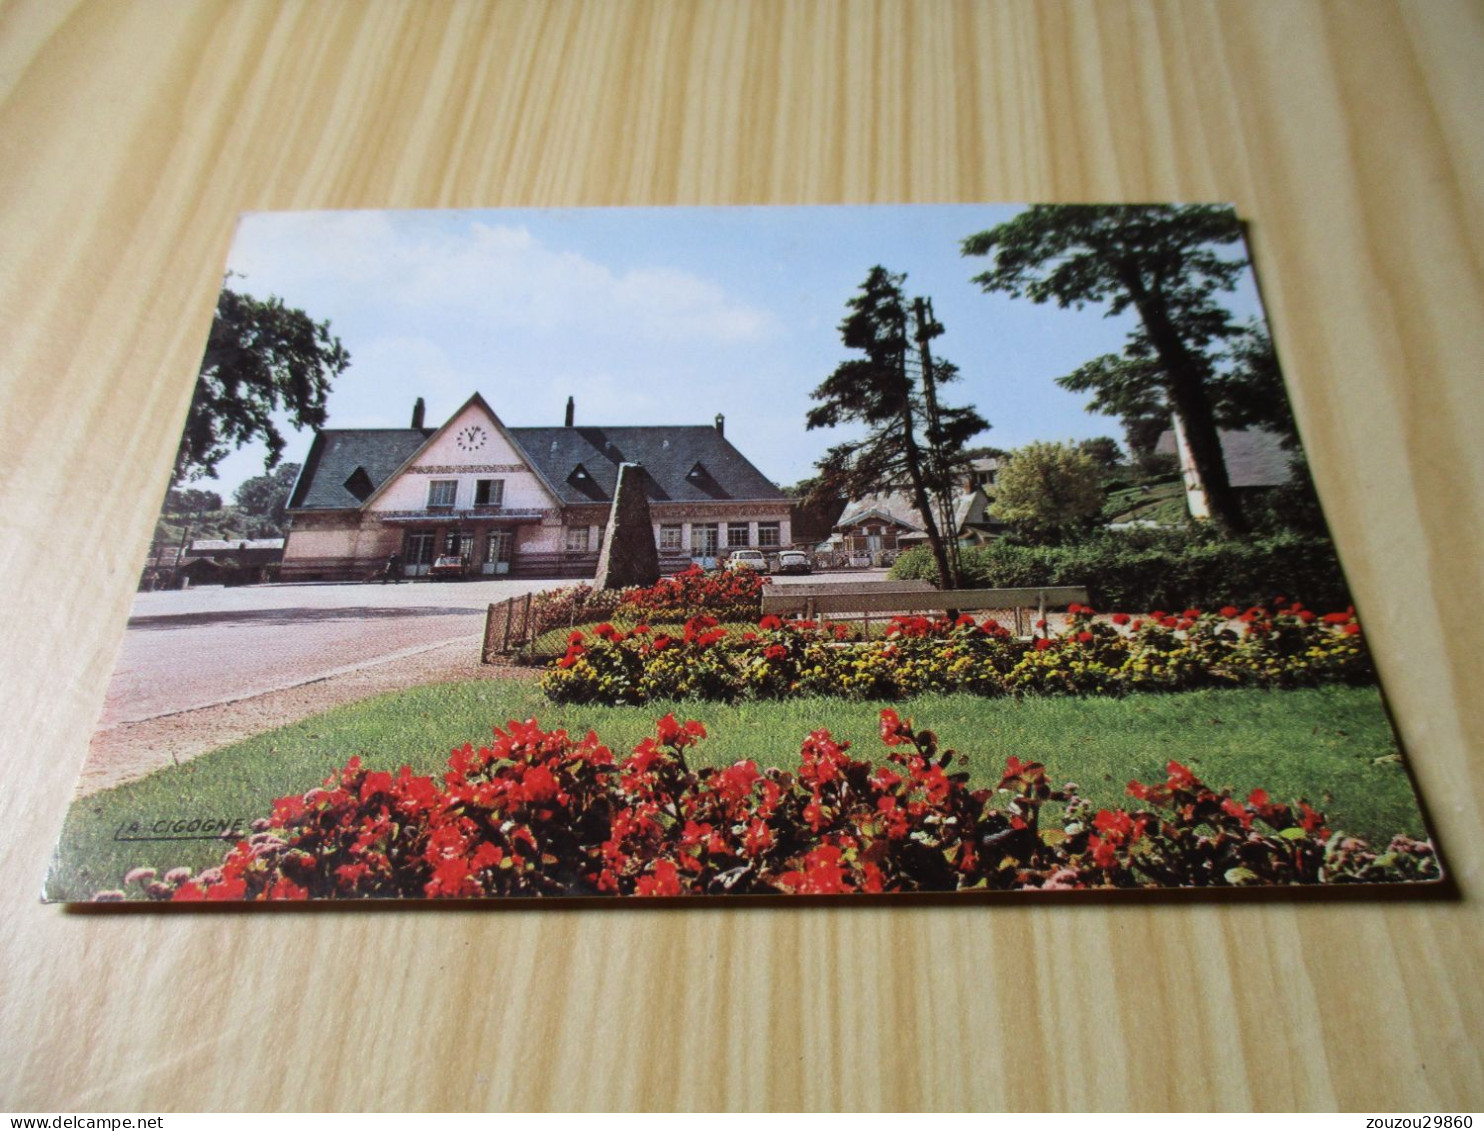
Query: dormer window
column 697, row 472
column 580, row 476
column 359, row 484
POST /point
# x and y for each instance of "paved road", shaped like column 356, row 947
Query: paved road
column 194, row 648
column 199, row 647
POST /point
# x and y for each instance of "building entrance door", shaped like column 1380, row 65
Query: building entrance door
column 497, row 552
column 417, row 559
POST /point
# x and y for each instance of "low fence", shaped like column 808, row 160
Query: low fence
column 509, row 628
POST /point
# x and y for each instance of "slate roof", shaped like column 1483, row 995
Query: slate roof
column 337, row 452
column 683, row 463
column 1254, row 457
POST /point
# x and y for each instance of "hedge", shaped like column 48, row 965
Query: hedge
column 1157, row 569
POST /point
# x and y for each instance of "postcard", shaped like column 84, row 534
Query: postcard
column 772, row 552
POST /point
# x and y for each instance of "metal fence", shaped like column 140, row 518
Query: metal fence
column 509, row 628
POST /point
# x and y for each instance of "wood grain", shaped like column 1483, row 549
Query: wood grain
column 131, row 135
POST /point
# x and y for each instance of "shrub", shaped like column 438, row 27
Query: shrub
column 1047, row 490
column 572, row 604
column 539, row 813
column 1154, row 569
column 1287, row 646
column 728, row 594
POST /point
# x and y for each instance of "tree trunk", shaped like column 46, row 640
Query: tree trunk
column 943, row 489
column 1188, row 401
column 920, row 498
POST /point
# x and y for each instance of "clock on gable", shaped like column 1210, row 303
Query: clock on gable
column 472, row 438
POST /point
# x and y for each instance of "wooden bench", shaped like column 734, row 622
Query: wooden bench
column 813, row 601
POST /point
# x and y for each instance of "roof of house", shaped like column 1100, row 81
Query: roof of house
column 683, row 463
column 1254, row 457
column 235, row 545
column 330, row 468
column 897, row 507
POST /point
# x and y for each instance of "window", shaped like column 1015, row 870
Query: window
column 703, row 537
column 489, row 492
column 737, row 534
column 359, row 484
column 670, row 539
column 577, row 539
column 442, row 493
column 767, row 534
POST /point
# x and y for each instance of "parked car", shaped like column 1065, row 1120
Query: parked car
column 449, row 565
column 793, row 561
column 748, row 559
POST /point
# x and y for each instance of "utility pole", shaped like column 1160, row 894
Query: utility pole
column 942, row 470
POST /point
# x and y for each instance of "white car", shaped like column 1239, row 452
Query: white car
column 793, row 561
column 748, row 559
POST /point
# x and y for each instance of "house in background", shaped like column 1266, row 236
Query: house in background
column 522, row 501
column 890, row 522
column 1255, row 460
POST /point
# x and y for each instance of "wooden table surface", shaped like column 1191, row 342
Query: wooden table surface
column 132, row 134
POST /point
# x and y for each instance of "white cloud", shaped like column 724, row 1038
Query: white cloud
column 494, row 275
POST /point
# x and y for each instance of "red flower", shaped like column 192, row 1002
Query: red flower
column 893, row 731
column 1042, row 644
column 775, row 652
column 1084, row 638
column 1336, row 618
column 1229, row 611
column 1181, row 777
column 769, row 623
column 1120, row 618
column 1352, row 629
column 664, row 880
column 672, row 733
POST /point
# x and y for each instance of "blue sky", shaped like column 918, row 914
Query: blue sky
column 656, row 316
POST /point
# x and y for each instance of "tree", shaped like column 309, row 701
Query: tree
column 1103, row 451
column 262, row 358
column 266, row 499
column 1048, row 490
column 188, row 500
column 1165, row 263
column 913, row 441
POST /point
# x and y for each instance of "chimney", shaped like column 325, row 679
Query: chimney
column 571, row 411
column 417, row 413
column 721, row 425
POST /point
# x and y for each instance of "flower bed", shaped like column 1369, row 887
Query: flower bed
column 538, row 813
column 730, row 595
column 1285, row 646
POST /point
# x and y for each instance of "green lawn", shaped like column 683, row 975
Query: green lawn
column 1322, row 744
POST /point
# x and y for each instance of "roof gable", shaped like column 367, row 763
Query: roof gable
column 477, row 408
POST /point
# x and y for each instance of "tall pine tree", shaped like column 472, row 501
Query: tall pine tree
column 913, row 441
